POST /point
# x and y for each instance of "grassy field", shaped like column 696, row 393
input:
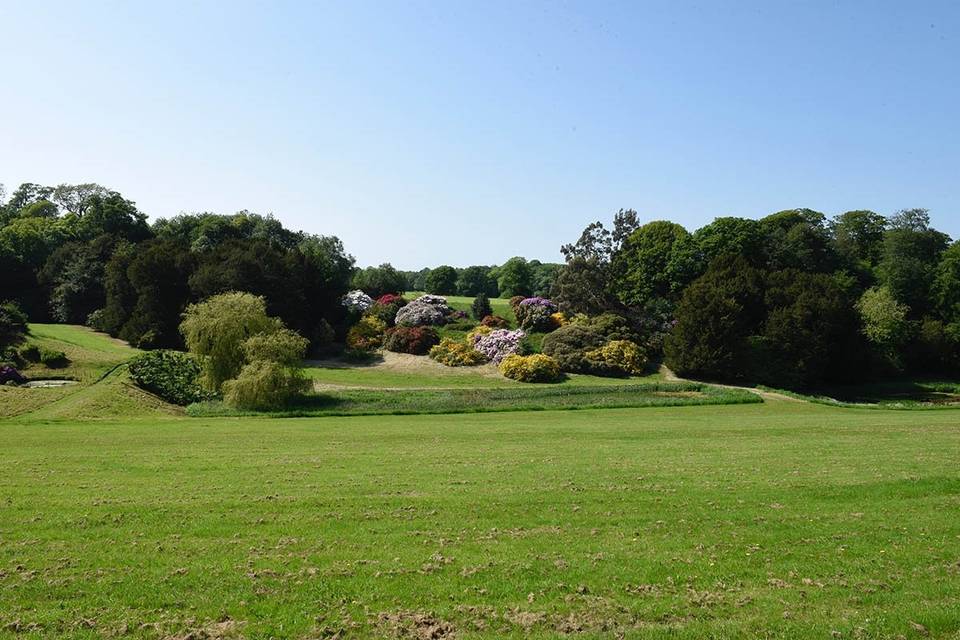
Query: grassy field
column 784, row 519
column 500, row 306
column 121, row 517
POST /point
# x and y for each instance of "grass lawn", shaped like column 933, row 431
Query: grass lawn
column 783, row 519
column 500, row 306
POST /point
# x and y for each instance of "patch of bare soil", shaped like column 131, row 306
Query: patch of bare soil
column 418, row 625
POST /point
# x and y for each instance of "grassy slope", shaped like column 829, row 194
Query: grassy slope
column 774, row 520
column 91, row 355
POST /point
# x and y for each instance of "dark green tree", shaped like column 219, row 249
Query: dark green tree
column 442, row 281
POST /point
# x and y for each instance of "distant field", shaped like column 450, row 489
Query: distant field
column 776, row 520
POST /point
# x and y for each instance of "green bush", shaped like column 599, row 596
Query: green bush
column 172, row 375
column 618, row 357
column 53, row 358
column 415, row 340
column 30, row 353
column 481, row 307
column 263, row 384
column 533, row 368
column 455, row 353
column 569, row 345
column 13, row 325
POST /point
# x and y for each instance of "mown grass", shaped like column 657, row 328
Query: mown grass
column 90, row 355
column 501, row 306
column 530, row 398
column 450, row 377
column 775, row 520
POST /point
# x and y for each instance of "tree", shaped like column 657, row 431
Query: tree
column 884, row 322
column 946, row 284
column 158, row 275
column 858, row 237
column 376, row 281
column 442, row 281
column 75, row 198
column 798, row 239
column 514, row 278
column 110, row 213
column 475, row 280
column 74, row 276
column 714, row 319
column 731, row 237
column 911, row 255
column 272, row 374
column 481, row 306
column 657, row 261
column 217, row 328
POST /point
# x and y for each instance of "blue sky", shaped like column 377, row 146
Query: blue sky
column 437, row 132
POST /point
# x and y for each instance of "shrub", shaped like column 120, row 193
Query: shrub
column 96, row 320
column 477, row 332
column 498, row 344
column 357, row 301
column 53, row 358
column 535, row 314
column 263, row 384
column 495, row 322
column 515, row 300
column 13, row 324
column 481, row 307
column 386, row 308
column 367, row 335
column 569, row 345
column 534, row 368
column 559, row 318
column 217, row 328
column 425, row 310
column 617, row 356
column 283, row 346
column 455, row 353
column 415, row 340
column 172, row 375
column 30, row 353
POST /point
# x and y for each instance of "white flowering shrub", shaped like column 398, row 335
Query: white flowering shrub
column 357, row 301
column 425, row 310
column 498, row 344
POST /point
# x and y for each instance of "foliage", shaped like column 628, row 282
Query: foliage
column 475, row 280
column 377, row 281
column 282, row 346
column 216, row 330
column 515, row 278
column 946, row 284
column 481, row 308
column 264, row 384
column 494, row 322
column 532, row 368
column 657, row 261
column 425, row 310
column 367, row 334
column 13, row 324
column 884, row 321
column 715, row 316
column 498, row 343
column 172, row 375
column 417, row 340
column 442, row 281
column 911, row 255
column 535, row 314
column 618, row 356
column 53, row 358
column 456, row 353
column 570, row 344
column 385, row 308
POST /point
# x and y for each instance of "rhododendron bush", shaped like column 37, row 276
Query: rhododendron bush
column 425, row 310
column 498, row 344
column 536, row 314
column 357, row 300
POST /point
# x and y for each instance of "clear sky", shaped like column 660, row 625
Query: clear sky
column 454, row 132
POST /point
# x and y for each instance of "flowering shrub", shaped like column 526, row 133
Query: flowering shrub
column 458, row 315
column 415, row 340
column 535, row 368
column 559, row 318
column 515, row 300
column 367, row 334
column 535, row 314
column 498, row 344
column 478, row 332
column 495, row 322
column 426, row 309
column 386, row 308
column 455, row 353
column 617, row 357
column 357, row 301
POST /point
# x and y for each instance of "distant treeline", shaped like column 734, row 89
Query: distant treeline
column 792, row 299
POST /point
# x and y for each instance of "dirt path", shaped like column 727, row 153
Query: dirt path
column 771, row 396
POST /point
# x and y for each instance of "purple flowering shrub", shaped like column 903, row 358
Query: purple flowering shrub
column 498, row 344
